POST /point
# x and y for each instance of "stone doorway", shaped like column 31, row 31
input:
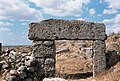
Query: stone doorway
column 46, row 32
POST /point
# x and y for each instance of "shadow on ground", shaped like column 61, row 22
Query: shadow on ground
column 78, row 75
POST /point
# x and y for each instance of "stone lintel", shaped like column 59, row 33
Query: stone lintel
column 57, row 29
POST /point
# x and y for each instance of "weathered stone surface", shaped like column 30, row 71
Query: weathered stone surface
column 30, row 69
column 22, row 75
column 30, row 61
column 49, row 67
column 47, row 43
column 99, row 60
column 13, row 72
column 55, row 29
column 112, row 58
column 13, row 78
column 87, row 51
column 46, row 32
column 22, row 68
column 41, row 61
column 44, row 49
column 6, row 66
column 50, row 61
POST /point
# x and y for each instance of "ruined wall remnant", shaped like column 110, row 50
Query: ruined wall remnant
column 45, row 53
column 44, row 34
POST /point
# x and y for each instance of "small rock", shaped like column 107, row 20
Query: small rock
column 30, row 75
column 30, row 69
column 1, row 64
column 22, row 68
column 12, row 54
column 13, row 72
column 22, row 75
column 35, row 79
column 28, row 79
column 13, row 78
column 6, row 66
column 30, row 61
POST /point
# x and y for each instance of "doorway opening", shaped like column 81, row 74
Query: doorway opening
column 74, row 58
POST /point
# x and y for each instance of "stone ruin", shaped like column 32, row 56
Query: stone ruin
column 41, row 63
column 45, row 33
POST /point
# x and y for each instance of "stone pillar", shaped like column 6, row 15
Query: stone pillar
column 99, row 61
column 45, row 53
column 0, row 48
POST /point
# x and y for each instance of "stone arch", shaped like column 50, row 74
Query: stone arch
column 45, row 33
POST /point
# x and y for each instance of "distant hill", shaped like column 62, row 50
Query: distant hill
column 5, row 44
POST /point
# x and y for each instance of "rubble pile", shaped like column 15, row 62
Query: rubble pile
column 22, row 67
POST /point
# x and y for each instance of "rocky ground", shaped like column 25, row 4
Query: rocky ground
column 73, row 60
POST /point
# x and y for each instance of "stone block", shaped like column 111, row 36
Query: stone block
column 57, row 29
column 30, row 61
column 13, row 78
column 99, row 60
column 40, row 62
column 49, row 65
column 50, row 61
column 44, row 49
column 48, row 68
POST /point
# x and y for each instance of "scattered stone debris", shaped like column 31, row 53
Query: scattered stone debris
column 59, row 50
column 22, row 67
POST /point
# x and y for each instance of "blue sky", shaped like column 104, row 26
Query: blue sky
column 15, row 15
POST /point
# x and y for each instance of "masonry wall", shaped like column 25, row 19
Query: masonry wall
column 45, row 53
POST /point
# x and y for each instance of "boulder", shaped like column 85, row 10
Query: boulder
column 112, row 58
column 22, row 68
column 22, row 75
column 30, row 69
column 13, row 78
column 30, row 61
column 13, row 72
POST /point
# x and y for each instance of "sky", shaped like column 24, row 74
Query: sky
column 15, row 15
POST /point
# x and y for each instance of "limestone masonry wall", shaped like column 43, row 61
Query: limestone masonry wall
column 45, row 52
